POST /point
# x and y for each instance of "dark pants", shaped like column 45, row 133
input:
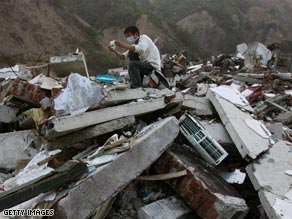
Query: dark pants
column 137, row 70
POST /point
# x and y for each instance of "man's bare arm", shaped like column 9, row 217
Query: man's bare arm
column 121, row 44
column 117, row 54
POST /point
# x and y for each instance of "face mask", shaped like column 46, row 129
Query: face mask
column 131, row 40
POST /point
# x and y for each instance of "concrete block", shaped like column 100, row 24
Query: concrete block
column 200, row 105
column 168, row 208
column 67, row 124
column 218, row 132
column 62, row 66
column 284, row 117
column 114, row 97
column 20, row 70
column 112, row 178
column 277, row 130
column 90, row 132
column 268, row 177
column 248, row 142
column 202, row 189
column 16, row 146
column 7, row 114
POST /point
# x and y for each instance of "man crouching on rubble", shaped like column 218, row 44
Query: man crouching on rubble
column 142, row 53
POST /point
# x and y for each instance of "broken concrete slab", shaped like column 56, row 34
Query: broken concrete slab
column 63, row 175
column 233, row 96
column 114, row 97
column 16, row 146
column 17, row 71
column 218, row 132
column 170, row 208
column 284, row 117
column 268, row 177
column 7, row 114
column 200, row 105
column 248, row 142
column 277, row 130
column 62, row 66
column 247, row 79
column 64, row 125
column 112, row 178
column 269, row 201
column 89, row 132
column 202, row 189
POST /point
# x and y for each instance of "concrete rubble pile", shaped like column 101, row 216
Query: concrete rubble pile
column 216, row 144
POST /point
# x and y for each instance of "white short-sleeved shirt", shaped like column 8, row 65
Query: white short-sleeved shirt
column 148, row 52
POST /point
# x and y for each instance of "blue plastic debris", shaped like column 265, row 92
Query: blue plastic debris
column 107, row 79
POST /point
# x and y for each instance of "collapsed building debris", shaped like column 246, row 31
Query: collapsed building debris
column 69, row 140
column 7, row 114
column 274, row 188
column 149, row 145
column 201, row 106
column 240, row 126
column 88, row 133
column 171, row 208
column 64, row 125
column 206, row 192
column 16, row 146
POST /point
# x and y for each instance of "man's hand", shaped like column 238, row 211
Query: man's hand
column 111, row 49
column 119, row 43
column 123, row 45
column 116, row 53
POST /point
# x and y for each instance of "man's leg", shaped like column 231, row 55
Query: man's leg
column 137, row 70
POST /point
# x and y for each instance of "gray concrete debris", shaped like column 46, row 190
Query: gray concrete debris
column 248, row 142
column 4, row 177
column 111, row 179
column 168, row 208
column 218, row 132
column 62, row 66
column 16, row 146
column 200, row 105
column 277, row 130
column 202, row 188
column 17, row 71
column 114, row 97
column 7, row 114
column 90, row 132
column 268, row 177
column 230, row 207
column 233, row 96
column 64, row 125
column 285, row 117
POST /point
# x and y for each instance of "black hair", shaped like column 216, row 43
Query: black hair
column 132, row 30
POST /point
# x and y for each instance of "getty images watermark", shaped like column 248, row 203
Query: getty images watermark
column 29, row 212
